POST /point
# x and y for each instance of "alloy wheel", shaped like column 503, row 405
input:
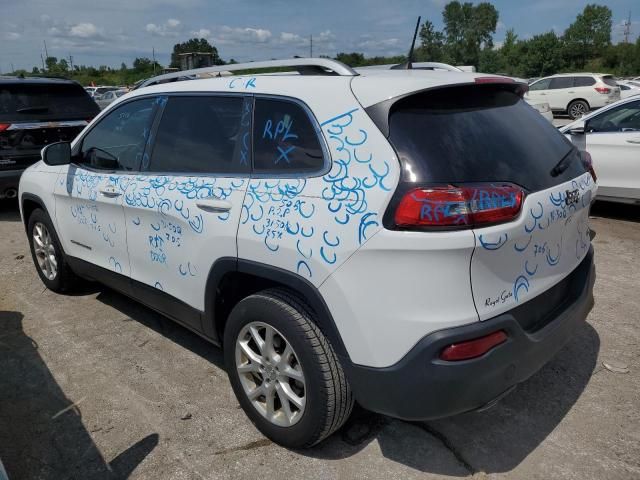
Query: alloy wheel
column 578, row 110
column 271, row 374
column 45, row 251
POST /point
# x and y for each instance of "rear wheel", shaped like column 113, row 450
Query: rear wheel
column 577, row 109
column 283, row 370
column 47, row 254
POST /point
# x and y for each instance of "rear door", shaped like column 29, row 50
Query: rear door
column 481, row 138
column 182, row 212
column 33, row 115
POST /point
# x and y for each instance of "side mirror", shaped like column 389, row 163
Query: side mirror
column 576, row 131
column 58, row 153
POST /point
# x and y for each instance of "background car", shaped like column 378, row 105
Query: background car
column 108, row 97
column 629, row 88
column 612, row 137
column 575, row 93
column 35, row 112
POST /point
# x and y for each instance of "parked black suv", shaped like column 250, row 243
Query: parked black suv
column 35, row 112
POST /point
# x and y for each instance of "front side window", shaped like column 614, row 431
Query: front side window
column 540, row 84
column 204, row 134
column 118, row 141
column 561, row 82
column 620, row 119
column 285, row 140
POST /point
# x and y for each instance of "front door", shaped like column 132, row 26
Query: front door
column 90, row 192
column 182, row 213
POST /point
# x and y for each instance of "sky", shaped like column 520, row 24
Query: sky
column 110, row 32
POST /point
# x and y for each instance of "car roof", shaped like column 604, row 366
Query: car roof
column 579, row 74
column 36, row 80
column 370, row 86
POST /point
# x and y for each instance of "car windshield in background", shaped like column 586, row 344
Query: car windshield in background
column 478, row 134
column 45, row 101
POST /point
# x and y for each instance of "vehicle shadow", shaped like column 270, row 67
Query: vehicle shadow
column 9, row 210
column 41, row 430
column 616, row 211
column 494, row 441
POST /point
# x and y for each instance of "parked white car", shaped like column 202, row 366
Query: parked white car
column 575, row 93
column 416, row 241
column 629, row 88
column 543, row 109
column 106, row 98
column 612, row 137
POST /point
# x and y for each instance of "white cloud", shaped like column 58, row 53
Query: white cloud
column 202, row 33
column 384, row 44
column 287, row 38
column 12, row 35
column 226, row 35
column 171, row 28
column 85, row 30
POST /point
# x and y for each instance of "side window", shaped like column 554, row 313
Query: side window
column 561, row 82
column 204, row 134
column 623, row 118
column 117, row 142
column 584, row 81
column 540, row 84
column 284, row 139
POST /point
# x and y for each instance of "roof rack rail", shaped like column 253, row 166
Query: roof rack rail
column 304, row 66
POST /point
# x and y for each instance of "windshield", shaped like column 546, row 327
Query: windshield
column 478, row 133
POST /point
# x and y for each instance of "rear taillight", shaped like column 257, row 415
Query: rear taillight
column 603, row 90
column 473, row 348
column 588, row 163
column 4, row 126
column 458, row 206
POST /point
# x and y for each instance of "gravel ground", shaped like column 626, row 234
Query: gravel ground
column 97, row 386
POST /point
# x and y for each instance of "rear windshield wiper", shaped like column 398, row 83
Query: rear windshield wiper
column 563, row 164
column 41, row 108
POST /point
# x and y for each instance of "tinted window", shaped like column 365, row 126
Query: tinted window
column 284, row 139
column 609, row 80
column 477, row 134
column 584, row 81
column 45, row 101
column 203, row 134
column 540, row 85
column 118, row 140
column 561, row 82
column 625, row 117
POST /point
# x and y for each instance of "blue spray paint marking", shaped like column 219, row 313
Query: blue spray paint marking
column 520, row 282
column 502, row 240
column 304, row 264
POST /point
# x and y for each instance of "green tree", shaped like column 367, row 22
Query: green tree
column 352, row 59
column 468, row 28
column 542, row 55
column 194, row 45
column 589, row 35
column 431, row 44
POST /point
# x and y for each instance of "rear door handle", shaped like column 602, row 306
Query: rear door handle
column 213, row 204
column 110, row 192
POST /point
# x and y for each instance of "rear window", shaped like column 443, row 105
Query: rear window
column 609, row 80
column 480, row 133
column 45, row 101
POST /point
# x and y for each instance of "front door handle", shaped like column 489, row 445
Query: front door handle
column 635, row 142
column 213, row 204
column 110, row 192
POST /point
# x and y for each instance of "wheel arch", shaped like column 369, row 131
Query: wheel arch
column 232, row 279
column 579, row 100
column 28, row 203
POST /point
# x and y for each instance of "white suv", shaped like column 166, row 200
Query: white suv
column 415, row 241
column 575, row 93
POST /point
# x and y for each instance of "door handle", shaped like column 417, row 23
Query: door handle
column 635, row 142
column 109, row 192
column 213, row 204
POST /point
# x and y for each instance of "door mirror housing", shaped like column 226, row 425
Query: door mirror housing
column 58, row 153
column 578, row 130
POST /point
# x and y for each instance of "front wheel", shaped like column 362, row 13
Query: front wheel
column 283, row 370
column 577, row 109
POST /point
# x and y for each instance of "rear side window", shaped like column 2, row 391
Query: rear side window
column 480, row 133
column 561, row 82
column 45, row 101
column 204, row 134
column 285, row 140
column 609, row 80
column 584, row 81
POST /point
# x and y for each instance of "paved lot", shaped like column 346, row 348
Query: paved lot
column 96, row 386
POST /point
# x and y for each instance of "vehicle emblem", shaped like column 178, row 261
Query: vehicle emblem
column 572, row 197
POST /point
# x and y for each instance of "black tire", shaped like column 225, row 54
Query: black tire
column 577, row 109
column 328, row 396
column 65, row 280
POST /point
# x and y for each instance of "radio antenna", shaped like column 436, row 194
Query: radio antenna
column 408, row 64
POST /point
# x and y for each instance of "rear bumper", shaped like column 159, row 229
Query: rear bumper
column 9, row 181
column 421, row 386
